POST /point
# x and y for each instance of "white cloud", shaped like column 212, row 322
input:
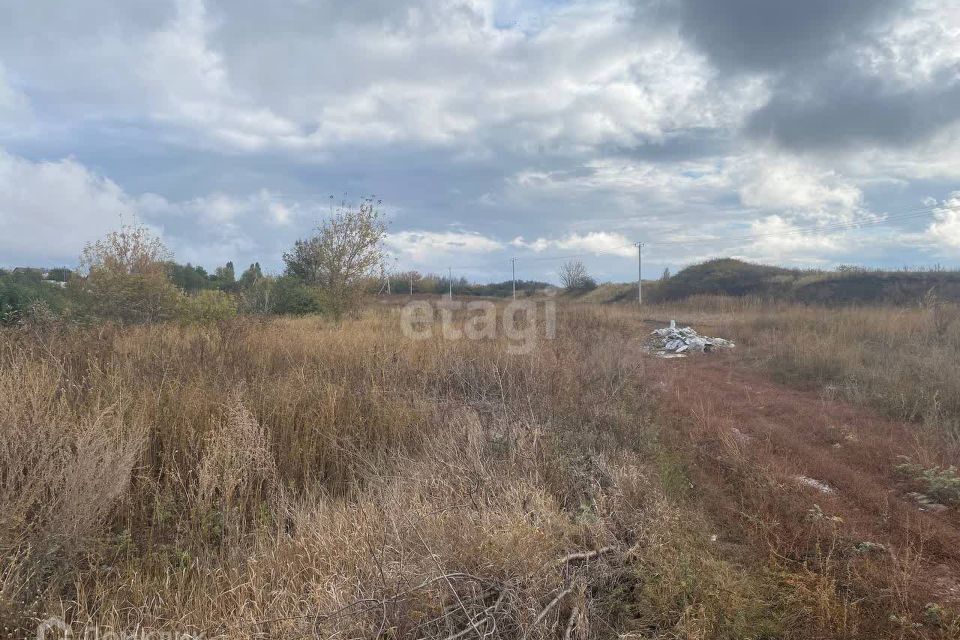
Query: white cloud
column 596, row 242
column 669, row 193
column 48, row 210
column 316, row 77
column 217, row 227
column 935, row 159
column 778, row 240
column 190, row 85
column 425, row 247
column 782, row 183
column 945, row 230
column 280, row 213
column 580, row 125
column 911, row 50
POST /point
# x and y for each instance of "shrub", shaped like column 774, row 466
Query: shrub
column 574, row 277
column 293, row 297
column 20, row 293
column 126, row 278
column 257, row 296
column 939, row 483
column 207, row 306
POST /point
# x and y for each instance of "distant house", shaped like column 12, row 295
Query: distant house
column 31, row 271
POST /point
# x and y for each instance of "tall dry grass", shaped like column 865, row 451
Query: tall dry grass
column 296, row 478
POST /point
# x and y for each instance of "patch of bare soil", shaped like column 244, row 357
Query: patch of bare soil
column 811, row 480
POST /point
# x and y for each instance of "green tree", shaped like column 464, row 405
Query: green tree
column 250, row 277
column 259, row 297
column 344, row 253
column 225, row 277
column 187, row 277
column 59, row 274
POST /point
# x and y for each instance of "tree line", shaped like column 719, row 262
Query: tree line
column 129, row 276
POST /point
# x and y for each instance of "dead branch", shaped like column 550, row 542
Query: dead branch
column 560, row 596
column 571, row 624
column 372, row 603
column 488, row 615
column 584, row 555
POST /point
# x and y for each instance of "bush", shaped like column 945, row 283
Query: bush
column 257, row 297
column 207, row 306
column 125, row 278
column 938, row 483
column 574, row 277
column 293, row 297
column 19, row 293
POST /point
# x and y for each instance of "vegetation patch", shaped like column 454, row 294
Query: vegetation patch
column 941, row 484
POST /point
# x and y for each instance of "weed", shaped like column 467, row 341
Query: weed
column 941, row 484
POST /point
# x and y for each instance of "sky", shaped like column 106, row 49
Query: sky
column 811, row 134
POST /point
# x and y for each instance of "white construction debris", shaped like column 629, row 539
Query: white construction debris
column 813, row 483
column 674, row 342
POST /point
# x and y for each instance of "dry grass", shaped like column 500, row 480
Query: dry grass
column 296, row 478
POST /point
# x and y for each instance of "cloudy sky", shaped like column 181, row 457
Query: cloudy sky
column 489, row 128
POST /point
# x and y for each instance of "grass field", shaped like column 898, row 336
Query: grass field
column 297, row 478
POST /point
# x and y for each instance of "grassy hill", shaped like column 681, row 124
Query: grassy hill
column 731, row 277
column 724, row 277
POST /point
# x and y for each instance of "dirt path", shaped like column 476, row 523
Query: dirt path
column 781, row 466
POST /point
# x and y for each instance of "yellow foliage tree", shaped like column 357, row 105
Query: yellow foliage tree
column 123, row 277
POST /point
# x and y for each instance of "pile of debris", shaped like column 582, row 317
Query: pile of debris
column 674, row 342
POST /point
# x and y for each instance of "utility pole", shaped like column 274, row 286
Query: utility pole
column 411, row 283
column 513, row 266
column 388, row 284
column 639, row 272
column 450, row 280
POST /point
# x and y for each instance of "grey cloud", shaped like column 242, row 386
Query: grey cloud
column 819, row 58
column 762, row 35
column 845, row 111
column 679, row 146
column 59, row 47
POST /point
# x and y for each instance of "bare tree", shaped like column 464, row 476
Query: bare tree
column 574, row 276
column 341, row 256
